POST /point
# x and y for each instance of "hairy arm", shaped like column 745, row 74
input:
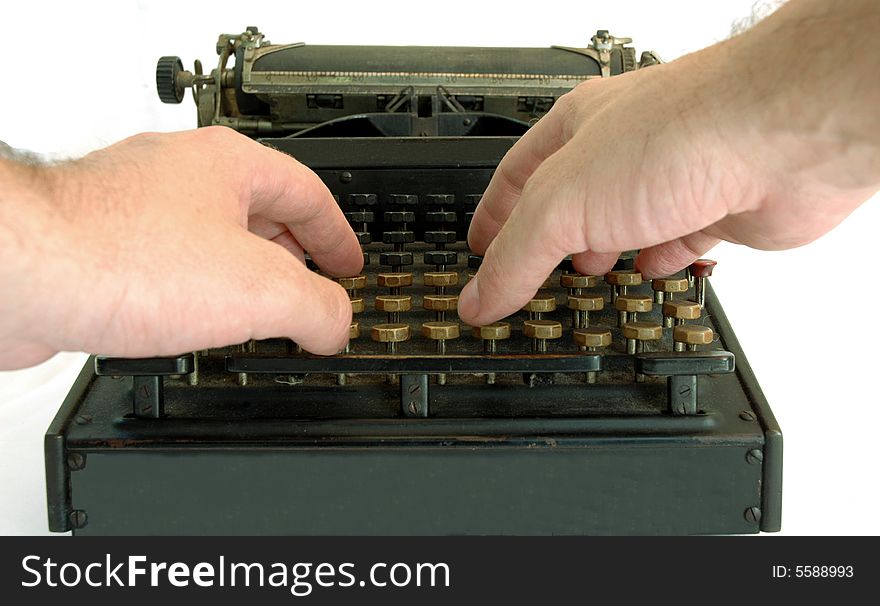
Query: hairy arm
column 167, row 243
column 768, row 139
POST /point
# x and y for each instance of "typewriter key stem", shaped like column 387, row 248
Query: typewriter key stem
column 636, row 333
column 591, row 339
column 688, row 336
column 540, row 331
column 491, row 334
column 440, row 332
column 194, row 375
column 701, row 269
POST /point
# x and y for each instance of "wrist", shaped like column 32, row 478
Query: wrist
column 38, row 257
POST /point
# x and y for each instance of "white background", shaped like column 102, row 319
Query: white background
column 79, row 75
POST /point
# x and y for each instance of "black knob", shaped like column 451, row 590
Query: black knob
column 166, row 79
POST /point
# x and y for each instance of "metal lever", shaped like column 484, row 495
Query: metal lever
column 682, row 369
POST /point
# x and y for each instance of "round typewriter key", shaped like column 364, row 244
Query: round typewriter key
column 620, row 279
column 577, row 281
column 676, row 312
column 440, row 237
column 664, row 287
column 357, row 305
column 491, row 334
column 399, row 216
column 398, row 237
column 353, row 283
column 394, row 280
column 440, row 302
column 390, row 334
column 581, row 306
column 441, row 278
column 591, row 339
column 688, row 336
column 540, row 331
column 636, row 333
column 395, row 258
column 628, row 306
column 440, row 258
column 440, row 332
column 540, row 305
column 393, row 303
column 496, row 331
column 404, row 199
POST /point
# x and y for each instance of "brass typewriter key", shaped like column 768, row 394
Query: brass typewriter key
column 665, row 287
column 636, row 334
column 539, row 306
column 591, row 339
column 688, row 336
column 354, row 331
column 628, row 306
column 390, row 335
column 581, row 306
column 393, row 305
column 440, row 332
column 540, row 331
column 676, row 312
column 620, row 280
column 440, row 304
column 491, row 334
column 352, row 285
column 575, row 283
column 394, row 280
column 440, row 280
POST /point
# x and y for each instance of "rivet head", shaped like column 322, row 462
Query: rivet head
column 748, row 415
column 345, row 177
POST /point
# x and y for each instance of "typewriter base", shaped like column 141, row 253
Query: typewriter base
column 713, row 473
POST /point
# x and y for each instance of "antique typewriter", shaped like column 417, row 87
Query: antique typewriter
column 610, row 404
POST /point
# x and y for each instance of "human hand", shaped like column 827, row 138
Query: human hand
column 670, row 160
column 167, row 243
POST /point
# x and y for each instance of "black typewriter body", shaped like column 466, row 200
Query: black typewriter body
column 518, row 438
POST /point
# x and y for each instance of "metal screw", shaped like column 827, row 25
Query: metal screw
column 76, row 461
column 413, row 407
column 748, row 415
column 345, row 177
column 755, row 456
column 83, row 419
column 78, row 518
column 752, row 515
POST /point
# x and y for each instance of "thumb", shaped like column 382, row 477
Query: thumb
column 294, row 302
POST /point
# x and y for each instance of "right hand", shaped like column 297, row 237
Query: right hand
column 670, row 160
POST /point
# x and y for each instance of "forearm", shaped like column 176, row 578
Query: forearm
column 805, row 82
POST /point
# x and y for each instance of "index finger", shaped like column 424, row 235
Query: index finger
column 282, row 189
column 514, row 170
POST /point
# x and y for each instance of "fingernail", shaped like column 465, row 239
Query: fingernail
column 469, row 300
